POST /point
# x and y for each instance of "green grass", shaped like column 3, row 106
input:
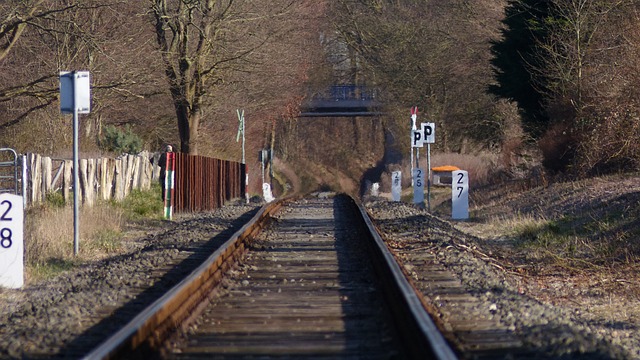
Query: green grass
column 51, row 268
column 142, row 204
column 106, row 241
column 547, row 234
column 577, row 242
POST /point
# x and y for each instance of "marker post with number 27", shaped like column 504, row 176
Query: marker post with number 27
column 11, row 241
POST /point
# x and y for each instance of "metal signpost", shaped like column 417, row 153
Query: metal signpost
column 75, row 98
column 241, row 125
column 426, row 135
column 429, row 137
column 414, row 118
column 169, row 185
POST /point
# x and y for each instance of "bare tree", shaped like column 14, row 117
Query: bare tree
column 16, row 17
column 433, row 54
column 588, row 62
column 111, row 39
column 204, row 43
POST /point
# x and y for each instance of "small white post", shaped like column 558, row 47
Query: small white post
column 11, row 241
column 418, row 186
column 460, row 195
column 396, row 185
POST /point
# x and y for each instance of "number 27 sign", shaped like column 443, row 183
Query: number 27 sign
column 11, row 241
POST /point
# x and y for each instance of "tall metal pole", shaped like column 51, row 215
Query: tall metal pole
column 429, row 177
column 24, row 181
column 414, row 118
column 241, row 129
column 411, row 168
column 76, row 177
column 243, row 139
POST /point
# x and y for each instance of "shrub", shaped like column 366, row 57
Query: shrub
column 142, row 204
column 118, row 141
column 55, row 199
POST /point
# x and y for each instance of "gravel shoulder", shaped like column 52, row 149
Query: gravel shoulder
column 68, row 315
column 562, row 304
column 573, row 295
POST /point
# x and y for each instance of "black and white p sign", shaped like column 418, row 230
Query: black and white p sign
column 11, row 241
column 428, row 133
column 416, row 139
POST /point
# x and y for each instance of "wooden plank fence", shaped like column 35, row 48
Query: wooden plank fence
column 201, row 183
column 204, row 183
column 100, row 178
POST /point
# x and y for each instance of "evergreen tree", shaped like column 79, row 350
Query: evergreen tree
column 516, row 62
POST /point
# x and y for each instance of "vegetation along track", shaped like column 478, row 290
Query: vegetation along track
column 316, row 283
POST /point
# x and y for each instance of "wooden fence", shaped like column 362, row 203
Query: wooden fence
column 100, row 178
column 204, row 183
column 200, row 183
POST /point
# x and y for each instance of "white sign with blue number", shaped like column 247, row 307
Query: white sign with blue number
column 459, row 195
column 11, row 241
column 418, row 186
column 396, row 185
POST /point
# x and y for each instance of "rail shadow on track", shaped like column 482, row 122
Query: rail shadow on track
column 356, row 259
column 309, row 293
column 96, row 334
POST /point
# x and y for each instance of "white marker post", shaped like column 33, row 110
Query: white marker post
column 75, row 98
column 396, row 185
column 460, row 195
column 266, row 193
column 418, row 186
column 11, row 241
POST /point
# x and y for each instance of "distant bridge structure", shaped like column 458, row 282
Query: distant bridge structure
column 343, row 101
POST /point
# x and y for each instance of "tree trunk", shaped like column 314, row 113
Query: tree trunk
column 188, row 123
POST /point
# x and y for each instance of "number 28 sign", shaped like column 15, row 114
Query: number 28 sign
column 11, row 241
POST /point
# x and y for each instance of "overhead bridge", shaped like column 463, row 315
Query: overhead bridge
column 343, row 101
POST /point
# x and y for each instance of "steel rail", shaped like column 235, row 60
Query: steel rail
column 419, row 331
column 153, row 325
column 156, row 322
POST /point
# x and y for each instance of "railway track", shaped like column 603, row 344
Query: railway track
column 315, row 281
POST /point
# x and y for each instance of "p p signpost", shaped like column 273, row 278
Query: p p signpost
column 426, row 135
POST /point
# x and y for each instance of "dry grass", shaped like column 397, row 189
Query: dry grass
column 49, row 237
column 480, row 166
column 583, row 225
column 49, row 232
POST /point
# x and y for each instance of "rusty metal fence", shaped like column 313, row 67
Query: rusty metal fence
column 203, row 183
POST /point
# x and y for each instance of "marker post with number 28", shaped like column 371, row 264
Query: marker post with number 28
column 11, row 241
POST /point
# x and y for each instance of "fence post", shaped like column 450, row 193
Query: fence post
column 46, row 176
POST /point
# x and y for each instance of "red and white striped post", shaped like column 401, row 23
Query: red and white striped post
column 169, row 180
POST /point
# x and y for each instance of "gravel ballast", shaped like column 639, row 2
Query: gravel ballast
column 547, row 330
column 66, row 316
